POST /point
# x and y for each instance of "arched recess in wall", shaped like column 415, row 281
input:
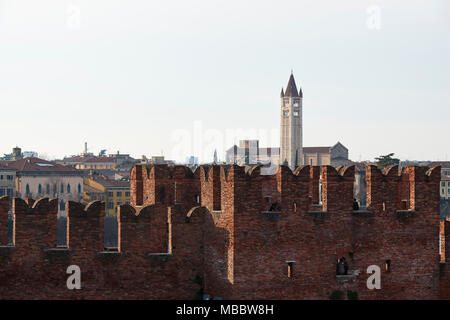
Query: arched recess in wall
column 62, row 205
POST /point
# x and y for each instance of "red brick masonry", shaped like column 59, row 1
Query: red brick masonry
column 211, row 232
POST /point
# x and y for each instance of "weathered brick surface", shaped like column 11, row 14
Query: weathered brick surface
column 211, row 229
column 4, row 208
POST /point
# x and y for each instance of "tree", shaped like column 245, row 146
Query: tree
column 386, row 161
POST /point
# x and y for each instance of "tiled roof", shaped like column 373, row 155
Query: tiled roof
column 31, row 165
column 109, row 183
column 88, row 159
column 316, row 149
column 100, row 159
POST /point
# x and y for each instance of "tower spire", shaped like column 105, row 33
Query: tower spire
column 291, row 128
column 282, row 93
column 291, row 89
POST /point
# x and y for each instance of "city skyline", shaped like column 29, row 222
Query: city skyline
column 129, row 78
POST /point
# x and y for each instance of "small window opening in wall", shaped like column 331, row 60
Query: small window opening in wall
column 295, row 207
column 290, row 265
column 404, row 204
column 162, row 194
column 387, row 265
column 197, row 198
column 384, row 206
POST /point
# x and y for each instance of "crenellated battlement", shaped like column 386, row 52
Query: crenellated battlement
column 230, row 231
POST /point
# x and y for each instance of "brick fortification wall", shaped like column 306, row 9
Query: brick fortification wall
column 212, row 232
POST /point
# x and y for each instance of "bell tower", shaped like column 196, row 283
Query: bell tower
column 291, row 128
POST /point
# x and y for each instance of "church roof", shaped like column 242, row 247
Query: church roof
column 291, row 89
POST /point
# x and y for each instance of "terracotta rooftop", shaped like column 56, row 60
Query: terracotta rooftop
column 88, row 159
column 316, row 149
column 109, row 183
column 34, row 165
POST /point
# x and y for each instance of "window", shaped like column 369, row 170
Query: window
column 47, row 189
column 110, row 205
column 55, row 190
column 62, row 205
column 286, row 113
column 2, row 192
column 162, row 194
column 440, row 243
column 295, row 113
column 118, row 193
column 127, row 193
column 68, row 188
column 290, row 271
column 27, row 189
column 110, row 194
column 443, row 183
column 102, row 197
column 79, row 188
column 1, row 177
column 9, row 177
column 39, row 189
column 387, row 265
column 61, row 188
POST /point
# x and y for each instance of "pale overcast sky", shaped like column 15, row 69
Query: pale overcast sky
column 184, row 77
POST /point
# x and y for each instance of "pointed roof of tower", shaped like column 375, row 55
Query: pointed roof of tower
column 282, row 93
column 300, row 93
column 291, row 89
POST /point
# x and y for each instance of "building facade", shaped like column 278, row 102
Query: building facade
column 7, row 181
column 248, row 152
column 113, row 192
column 444, row 189
column 37, row 178
column 291, row 128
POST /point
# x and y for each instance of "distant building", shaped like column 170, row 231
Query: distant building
column 7, row 181
column 158, row 160
column 14, row 156
column 30, row 154
column 37, row 178
column 192, row 160
column 83, row 162
column 445, row 178
column 335, row 156
column 113, row 192
column 291, row 127
column 249, row 152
